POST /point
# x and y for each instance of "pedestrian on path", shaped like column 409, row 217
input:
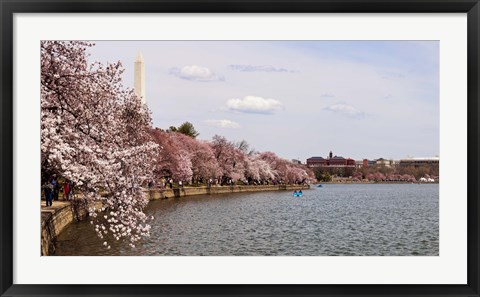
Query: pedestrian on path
column 48, row 191
column 70, row 187
column 55, row 188
column 66, row 190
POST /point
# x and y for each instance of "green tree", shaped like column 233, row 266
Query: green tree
column 322, row 174
column 422, row 171
column 187, row 129
column 349, row 171
column 385, row 170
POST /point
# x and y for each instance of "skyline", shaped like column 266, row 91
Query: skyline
column 299, row 99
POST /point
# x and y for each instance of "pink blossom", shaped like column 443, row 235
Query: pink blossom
column 94, row 132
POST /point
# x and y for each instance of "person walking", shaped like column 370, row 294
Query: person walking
column 66, row 190
column 47, row 190
column 70, row 193
column 55, row 188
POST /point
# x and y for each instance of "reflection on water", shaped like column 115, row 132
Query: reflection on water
column 336, row 220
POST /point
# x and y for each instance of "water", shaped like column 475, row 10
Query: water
column 336, row 220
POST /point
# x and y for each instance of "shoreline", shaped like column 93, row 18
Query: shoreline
column 55, row 218
column 154, row 194
column 375, row 183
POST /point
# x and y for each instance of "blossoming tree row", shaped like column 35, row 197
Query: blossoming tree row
column 187, row 159
column 97, row 134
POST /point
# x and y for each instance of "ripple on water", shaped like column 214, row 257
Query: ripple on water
column 336, row 220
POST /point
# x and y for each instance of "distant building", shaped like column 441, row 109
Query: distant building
column 383, row 162
column 359, row 164
column 330, row 162
column 295, row 161
column 368, row 163
column 419, row 162
column 341, row 162
column 365, row 163
column 316, row 162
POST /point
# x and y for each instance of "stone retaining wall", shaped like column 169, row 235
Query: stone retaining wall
column 155, row 194
column 56, row 218
column 62, row 213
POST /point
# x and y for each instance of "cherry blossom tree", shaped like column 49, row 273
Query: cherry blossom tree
column 204, row 164
column 252, row 172
column 409, row 178
column 379, row 176
column 276, row 164
column 295, row 174
column 311, row 175
column 94, row 132
column 173, row 160
column 184, row 157
column 357, row 175
column 287, row 171
column 264, row 170
column 230, row 159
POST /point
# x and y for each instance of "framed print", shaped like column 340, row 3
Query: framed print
column 240, row 148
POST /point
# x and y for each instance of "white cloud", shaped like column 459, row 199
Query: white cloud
column 195, row 73
column 345, row 109
column 223, row 124
column 253, row 104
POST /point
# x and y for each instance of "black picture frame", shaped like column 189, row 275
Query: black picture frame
column 10, row 7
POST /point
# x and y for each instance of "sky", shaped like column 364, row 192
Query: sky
column 358, row 99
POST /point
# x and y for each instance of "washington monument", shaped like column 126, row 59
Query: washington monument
column 139, row 78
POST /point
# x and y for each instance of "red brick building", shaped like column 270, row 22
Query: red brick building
column 331, row 162
column 317, row 162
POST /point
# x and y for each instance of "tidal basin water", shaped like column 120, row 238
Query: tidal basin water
column 335, row 220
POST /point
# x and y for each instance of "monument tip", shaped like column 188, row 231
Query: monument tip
column 139, row 57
